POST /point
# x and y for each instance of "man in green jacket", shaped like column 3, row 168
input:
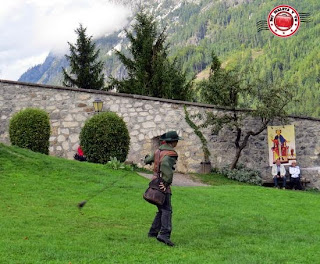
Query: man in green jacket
column 164, row 160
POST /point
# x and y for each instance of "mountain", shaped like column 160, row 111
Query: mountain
column 48, row 72
column 228, row 27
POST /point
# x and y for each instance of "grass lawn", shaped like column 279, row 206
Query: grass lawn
column 216, row 179
column 224, row 223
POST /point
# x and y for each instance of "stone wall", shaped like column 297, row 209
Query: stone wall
column 147, row 118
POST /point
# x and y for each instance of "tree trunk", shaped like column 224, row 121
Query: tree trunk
column 236, row 159
column 240, row 147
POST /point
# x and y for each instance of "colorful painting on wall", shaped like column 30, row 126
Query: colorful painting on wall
column 281, row 142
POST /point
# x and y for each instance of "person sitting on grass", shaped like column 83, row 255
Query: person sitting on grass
column 279, row 172
column 80, row 155
column 294, row 171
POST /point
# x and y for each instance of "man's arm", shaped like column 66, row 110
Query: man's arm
column 274, row 171
column 294, row 170
column 166, row 168
column 291, row 170
column 149, row 159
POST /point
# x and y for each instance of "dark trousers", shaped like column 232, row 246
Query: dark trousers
column 296, row 184
column 283, row 179
column 162, row 224
column 80, row 158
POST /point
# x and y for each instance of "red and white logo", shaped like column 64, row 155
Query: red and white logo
column 283, row 21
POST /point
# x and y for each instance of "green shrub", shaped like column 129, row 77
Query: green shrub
column 243, row 174
column 115, row 164
column 104, row 136
column 30, row 128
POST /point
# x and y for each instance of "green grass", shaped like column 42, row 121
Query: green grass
column 228, row 223
column 216, row 179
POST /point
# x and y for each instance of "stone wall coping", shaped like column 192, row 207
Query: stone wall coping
column 134, row 96
column 141, row 97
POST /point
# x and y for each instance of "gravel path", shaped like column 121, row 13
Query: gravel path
column 179, row 179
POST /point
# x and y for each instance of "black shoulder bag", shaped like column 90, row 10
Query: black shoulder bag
column 154, row 194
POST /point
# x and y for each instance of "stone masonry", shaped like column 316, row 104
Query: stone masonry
column 147, row 118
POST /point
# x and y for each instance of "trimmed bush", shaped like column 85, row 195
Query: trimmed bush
column 243, row 174
column 105, row 136
column 30, row 128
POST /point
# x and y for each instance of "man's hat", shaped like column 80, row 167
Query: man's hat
column 170, row 136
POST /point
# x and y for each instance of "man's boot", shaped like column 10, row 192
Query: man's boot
column 165, row 231
column 165, row 240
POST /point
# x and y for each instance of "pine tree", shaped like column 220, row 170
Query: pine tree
column 150, row 72
column 85, row 72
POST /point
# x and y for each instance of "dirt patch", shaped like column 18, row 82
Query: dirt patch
column 179, row 179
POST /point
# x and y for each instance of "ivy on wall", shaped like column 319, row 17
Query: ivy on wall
column 197, row 131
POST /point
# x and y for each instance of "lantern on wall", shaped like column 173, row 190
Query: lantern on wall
column 97, row 104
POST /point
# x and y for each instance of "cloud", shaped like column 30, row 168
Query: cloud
column 31, row 28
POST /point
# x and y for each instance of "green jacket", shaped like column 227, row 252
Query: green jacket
column 166, row 165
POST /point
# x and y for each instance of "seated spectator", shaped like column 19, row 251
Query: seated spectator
column 279, row 172
column 80, row 155
column 294, row 171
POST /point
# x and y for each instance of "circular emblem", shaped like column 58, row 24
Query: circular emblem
column 283, row 21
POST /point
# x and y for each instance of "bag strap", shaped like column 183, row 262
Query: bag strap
column 156, row 168
column 158, row 156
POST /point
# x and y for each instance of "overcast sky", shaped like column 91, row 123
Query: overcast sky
column 30, row 29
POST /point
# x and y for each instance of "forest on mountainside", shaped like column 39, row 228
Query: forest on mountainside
column 197, row 28
column 233, row 36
